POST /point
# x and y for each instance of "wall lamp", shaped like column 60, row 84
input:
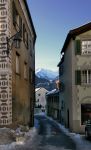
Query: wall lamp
column 15, row 41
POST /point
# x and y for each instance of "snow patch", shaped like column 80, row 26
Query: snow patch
column 47, row 74
column 28, row 136
column 81, row 142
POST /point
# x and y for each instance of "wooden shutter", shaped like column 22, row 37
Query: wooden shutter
column 78, row 47
column 78, row 77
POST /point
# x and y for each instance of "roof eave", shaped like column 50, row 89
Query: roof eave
column 73, row 33
column 30, row 18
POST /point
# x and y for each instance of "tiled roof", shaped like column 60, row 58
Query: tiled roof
column 73, row 33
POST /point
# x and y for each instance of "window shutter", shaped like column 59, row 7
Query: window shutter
column 78, row 47
column 78, row 77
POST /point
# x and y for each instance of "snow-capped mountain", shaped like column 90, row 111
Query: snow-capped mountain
column 47, row 74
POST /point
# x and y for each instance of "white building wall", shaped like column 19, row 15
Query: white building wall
column 81, row 94
column 75, row 95
column 42, row 97
column 67, row 93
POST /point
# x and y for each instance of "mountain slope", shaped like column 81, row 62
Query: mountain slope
column 46, row 74
column 47, row 84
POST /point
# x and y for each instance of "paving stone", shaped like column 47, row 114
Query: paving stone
column 6, row 136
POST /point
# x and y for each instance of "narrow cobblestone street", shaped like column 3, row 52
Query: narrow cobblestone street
column 51, row 136
column 46, row 135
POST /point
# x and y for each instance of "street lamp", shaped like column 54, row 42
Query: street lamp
column 15, row 41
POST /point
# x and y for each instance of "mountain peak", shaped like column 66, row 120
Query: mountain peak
column 46, row 73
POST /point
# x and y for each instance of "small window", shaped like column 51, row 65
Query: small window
column 39, row 94
column 86, row 76
column 61, row 86
column 30, row 48
column 86, row 47
column 15, row 16
column 17, row 64
column 25, row 36
column 85, row 113
column 17, row 20
column 31, row 76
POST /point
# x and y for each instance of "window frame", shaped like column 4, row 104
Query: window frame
column 86, row 77
column 85, row 112
column 39, row 94
column 31, row 76
column 86, row 50
column 30, row 48
column 61, row 86
column 25, row 36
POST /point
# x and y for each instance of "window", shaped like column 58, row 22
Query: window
column 30, row 48
column 20, row 25
column 25, row 36
column 62, row 104
column 17, row 20
column 25, row 70
column 85, row 113
column 17, row 64
column 86, row 47
column 86, row 76
column 31, row 76
column 61, row 86
column 26, row 39
column 39, row 94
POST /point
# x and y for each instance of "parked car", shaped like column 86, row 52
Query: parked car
column 88, row 129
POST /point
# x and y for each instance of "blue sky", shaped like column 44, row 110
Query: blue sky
column 52, row 20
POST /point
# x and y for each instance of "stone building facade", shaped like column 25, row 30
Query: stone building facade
column 75, row 78
column 18, row 67
column 53, row 109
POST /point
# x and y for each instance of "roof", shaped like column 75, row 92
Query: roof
column 53, row 92
column 61, row 61
column 30, row 18
column 73, row 33
column 37, row 89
